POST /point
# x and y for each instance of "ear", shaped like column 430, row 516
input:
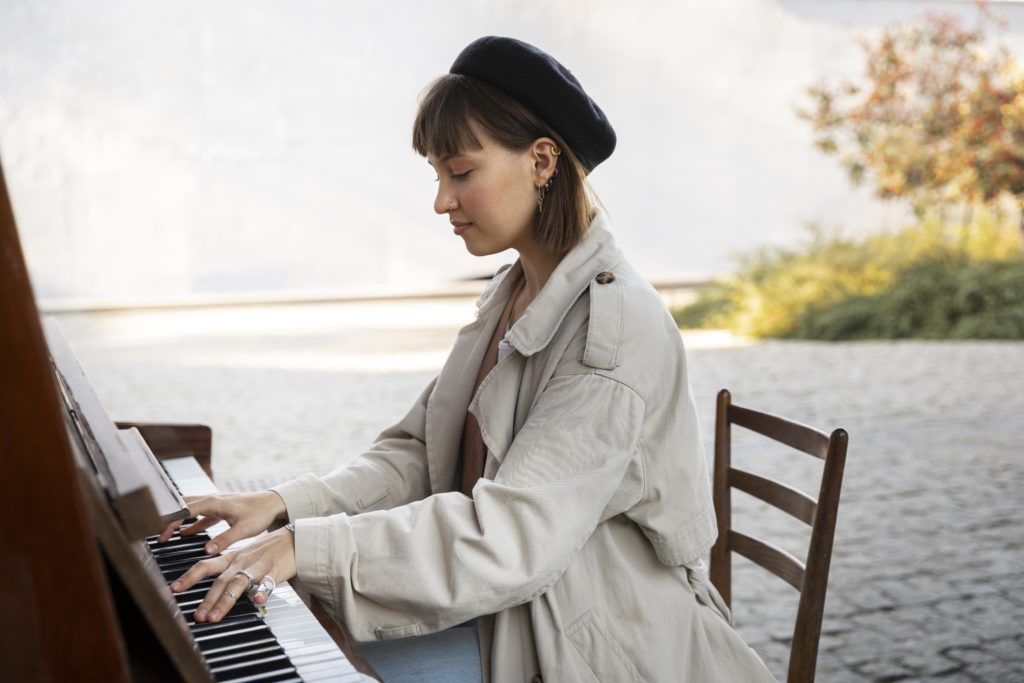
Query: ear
column 544, row 161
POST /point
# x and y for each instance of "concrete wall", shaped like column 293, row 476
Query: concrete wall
column 163, row 150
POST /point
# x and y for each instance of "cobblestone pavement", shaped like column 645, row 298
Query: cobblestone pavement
column 928, row 569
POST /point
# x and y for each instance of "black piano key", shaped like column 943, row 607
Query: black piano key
column 254, row 643
column 189, row 555
column 239, row 609
column 274, row 664
column 176, row 536
column 171, row 548
column 199, row 588
column 208, row 627
column 269, row 677
column 244, row 637
column 186, row 559
column 240, row 633
column 174, row 573
column 241, row 654
column 240, row 647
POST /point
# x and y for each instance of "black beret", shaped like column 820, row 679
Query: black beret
column 547, row 88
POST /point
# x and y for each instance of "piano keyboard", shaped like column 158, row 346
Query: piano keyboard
column 283, row 642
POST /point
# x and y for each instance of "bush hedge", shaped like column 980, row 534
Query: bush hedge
column 931, row 281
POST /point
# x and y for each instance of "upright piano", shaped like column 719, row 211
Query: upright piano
column 83, row 584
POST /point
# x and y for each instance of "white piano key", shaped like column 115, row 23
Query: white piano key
column 311, row 649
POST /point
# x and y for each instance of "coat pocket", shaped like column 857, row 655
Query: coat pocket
column 602, row 653
column 397, row 632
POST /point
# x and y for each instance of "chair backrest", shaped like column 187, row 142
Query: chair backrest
column 810, row 578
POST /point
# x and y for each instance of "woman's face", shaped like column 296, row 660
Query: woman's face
column 489, row 195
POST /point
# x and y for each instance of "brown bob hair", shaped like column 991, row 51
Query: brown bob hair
column 442, row 127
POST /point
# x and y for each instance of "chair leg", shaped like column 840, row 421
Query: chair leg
column 721, row 558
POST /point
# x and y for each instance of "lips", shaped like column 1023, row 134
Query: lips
column 460, row 227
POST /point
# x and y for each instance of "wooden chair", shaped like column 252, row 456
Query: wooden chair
column 810, row 579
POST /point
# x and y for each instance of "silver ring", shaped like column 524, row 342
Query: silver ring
column 248, row 576
column 266, row 587
column 230, row 594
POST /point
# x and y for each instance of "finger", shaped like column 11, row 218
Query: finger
column 280, row 553
column 264, row 588
column 199, row 525
column 199, row 571
column 205, row 506
column 166, row 534
column 224, row 540
column 223, row 595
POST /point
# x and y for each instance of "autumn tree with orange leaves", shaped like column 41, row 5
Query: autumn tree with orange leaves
column 938, row 117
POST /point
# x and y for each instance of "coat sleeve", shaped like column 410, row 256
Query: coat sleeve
column 393, row 472
column 438, row 562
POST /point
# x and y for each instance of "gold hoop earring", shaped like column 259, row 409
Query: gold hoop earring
column 555, row 151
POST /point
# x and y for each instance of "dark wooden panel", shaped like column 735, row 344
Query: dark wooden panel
column 53, row 591
column 811, row 580
column 772, row 558
column 786, row 498
column 799, row 436
column 720, row 571
column 176, row 440
column 811, row 612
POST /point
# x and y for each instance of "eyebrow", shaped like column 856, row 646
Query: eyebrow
column 447, row 157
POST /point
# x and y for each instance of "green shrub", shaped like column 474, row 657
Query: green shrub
column 935, row 298
column 929, row 281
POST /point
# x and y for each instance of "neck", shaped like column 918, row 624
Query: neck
column 538, row 264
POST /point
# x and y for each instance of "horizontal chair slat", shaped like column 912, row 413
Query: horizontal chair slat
column 799, row 436
column 786, row 498
column 772, row 558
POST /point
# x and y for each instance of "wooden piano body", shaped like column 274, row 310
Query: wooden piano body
column 80, row 596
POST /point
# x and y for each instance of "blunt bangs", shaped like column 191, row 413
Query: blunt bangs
column 453, row 104
column 442, row 124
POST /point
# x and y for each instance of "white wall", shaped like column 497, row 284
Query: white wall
column 159, row 150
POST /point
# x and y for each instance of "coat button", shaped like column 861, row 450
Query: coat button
column 605, row 277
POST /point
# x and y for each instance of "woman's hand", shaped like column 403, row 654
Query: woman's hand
column 247, row 513
column 271, row 556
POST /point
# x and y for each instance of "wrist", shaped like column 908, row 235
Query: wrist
column 275, row 503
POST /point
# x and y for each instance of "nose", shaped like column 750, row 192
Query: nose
column 444, row 201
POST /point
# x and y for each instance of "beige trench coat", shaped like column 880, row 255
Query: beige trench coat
column 576, row 550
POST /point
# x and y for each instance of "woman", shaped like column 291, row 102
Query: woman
column 549, row 487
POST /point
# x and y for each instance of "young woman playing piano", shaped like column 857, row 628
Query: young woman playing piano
column 543, row 508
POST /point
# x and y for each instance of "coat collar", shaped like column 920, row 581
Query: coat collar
column 595, row 253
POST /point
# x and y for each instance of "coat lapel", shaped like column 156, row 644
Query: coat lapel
column 446, row 408
column 495, row 405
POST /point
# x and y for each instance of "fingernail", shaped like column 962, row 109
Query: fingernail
column 215, row 614
column 176, row 585
column 200, row 614
column 212, row 549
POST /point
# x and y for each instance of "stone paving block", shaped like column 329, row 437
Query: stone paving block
column 883, row 670
column 930, row 665
column 909, row 590
column 862, row 646
column 996, row 672
column 838, row 674
column 929, row 554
